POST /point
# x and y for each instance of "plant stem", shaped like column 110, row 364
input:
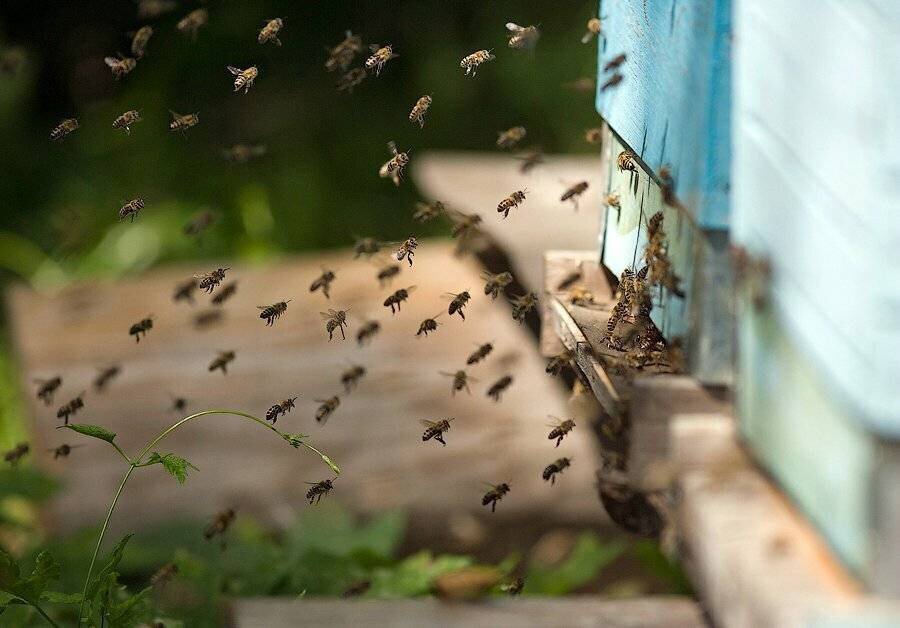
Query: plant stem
column 39, row 610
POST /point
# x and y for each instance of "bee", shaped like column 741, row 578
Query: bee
column 243, row 78
column 612, row 81
column 530, row 160
column 615, row 62
column 560, row 429
column 225, row 293
column 418, row 111
column 460, row 381
column 436, row 429
column 513, row 200
column 367, row 246
column 627, row 161
column 185, row 291
column 583, row 84
column 269, row 32
column 458, row 303
column 514, row 587
column 471, row 62
column 428, row 211
column 105, row 376
column 365, row 333
column 522, row 305
column 522, row 37
column 121, row 66
column 70, row 409
column 342, row 55
column 192, row 22
column 557, row 363
column 574, row 192
column 480, row 353
column 594, row 28
column 752, row 276
column 208, row 318
column 164, row 575
column 63, row 129
column 271, row 313
column 667, row 184
column 612, row 200
column 62, row 451
column 242, row 153
column 149, row 9
column 209, row 281
column 335, row 319
column 351, row 79
column 569, row 280
column 465, row 224
column 497, row 388
column 509, row 138
column 319, row 489
column 553, row 468
column 220, row 524
column 179, row 404
column 125, row 120
column 386, row 273
column 131, row 208
column 17, row 453
column 323, row 281
column 394, row 166
column 46, row 388
column 182, row 122
column 139, row 41
column 141, row 327
column 221, row 362
column 350, row 378
column 200, row 222
column 496, row 283
column 282, row 407
column 593, row 136
column 428, row 325
column 380, row 56
column 495, row 495
column 327, row 408
column 397, row 298
column 581, row 296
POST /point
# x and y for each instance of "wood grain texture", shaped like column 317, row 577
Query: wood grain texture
column 673, row 104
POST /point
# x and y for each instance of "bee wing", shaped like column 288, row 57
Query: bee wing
column 447, row 373
column 373, row 47
column 392, row 147
column 514, row 28
column 233, row 69
column 328, row 315
column 428, row 423
column 111, row 61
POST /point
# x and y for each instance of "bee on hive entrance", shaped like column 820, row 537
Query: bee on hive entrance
column 323, row 282
column 593, row 136
column 220, row 524
column 553, row 468
column 380, row 56
column 397, row 298
column 269, row 32
column 242, row 153
column 495, row 495
column 221, row 362
column 105, row 376
column 394, row 166
column 192, row 22
column 351, row 79
column 335, row 319
column 496, row 390
column 612, row 200
column 428, row 325
column 471, row 62
column 63, row 129
column 615, row 62
column 121, row 66
column 530, row 160
column 17, row 453
column 140, row 40
column 626, row 161
column 226, row 292
column 350, row 378
column 560, row 429
column 574, row 192
column 131, row 208
column 509, row 138
column 594, row 28
column 495, row 284
column 209, row 281
column 457, row 303
column 419, row 109
column 522, row 37
column 182, row 122
column 282, row 407
column 70, row 409
column 163, row 575
column 127, row 119
column 46, row 388
column 480, row 353
column 514, row 587
column 557, row 363
column 612, row 81
column 141, row 327
column 200, row 222
column 436, row 429
column 367, row 331
column 319, row 489
column 511, row 201
column 341, row 56
column 428, row 211
column 63, row 450
column 271, row 313
column 387, row 273
column 522, row 305
column 460, row 381
column 327, row 408
column 243, row 78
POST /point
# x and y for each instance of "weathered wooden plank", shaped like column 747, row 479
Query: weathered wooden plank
column 558, row 268
column 582, row 611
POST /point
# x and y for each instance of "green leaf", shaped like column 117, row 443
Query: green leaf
column 331, row 463
column 94, row 431
column 176, row 465
column 58, row 597
column 26, row 482
column 112, row 562
column 414, row 575
column 45, row 570
column 294, row 440
column 589, row 556
column 132, row 610
column 9, row 571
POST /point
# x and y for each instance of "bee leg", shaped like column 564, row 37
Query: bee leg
column 558, row 441
column 343, row 336
column 494, row 506
column 552, row 480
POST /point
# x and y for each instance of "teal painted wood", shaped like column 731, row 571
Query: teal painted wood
column 673, row 104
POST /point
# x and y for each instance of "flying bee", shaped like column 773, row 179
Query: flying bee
column 327, row 408
column 220, row 524
column 612, row 81
column 367, row 246
column 242, row 153
column 46, row 388
column 594, row 135
column 394, row 166
column 131, row 208
column 522, row 37
column 569, row 280
column 185, row 291
column 351, row 79
column 460, row 381
column 513, row 200
column 555, row 467
column 141, row 327
column 667, row 184
column 319, row 489
column 164, row 575
column 522, row 305
column 271, row 313
column 496, row 283
column 397, row 298
column 323, row 282
column 192, row 22
column 282, row 407
column 105, row 376
column 471, row 62
column 458, row 303
column 149, row 9
column 428, row 211
column 350, row 378
column 17, row 453
column 208, row 318
column 594, row 28
column 70, row 409
column 63, row 129
column 225, row 292
column 612, row 200
column 574, row 192
column 139, row 41
column 63, row 450
column 221, row 362
column 615, row 62
column 509, row 138
column 495, row 495
column 182, row 122
column 342, row 55
column 497, row 388
column 560, row 429
column 365, row 333
column 335, row 319
column 428, row 325
column 269, row 32
column 243, row 78
column 480, row 353
column 179, row 404
column 210, row 281
column 419, row 109
column 380, row 56
column 200, row 222
column 557, row 363
column 436, row 429
column 127, row 119
column 513, row 587
column 386, row 273
column 464, row 224
column 121, row 66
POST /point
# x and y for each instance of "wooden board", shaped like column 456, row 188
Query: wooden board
column 375, row 435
